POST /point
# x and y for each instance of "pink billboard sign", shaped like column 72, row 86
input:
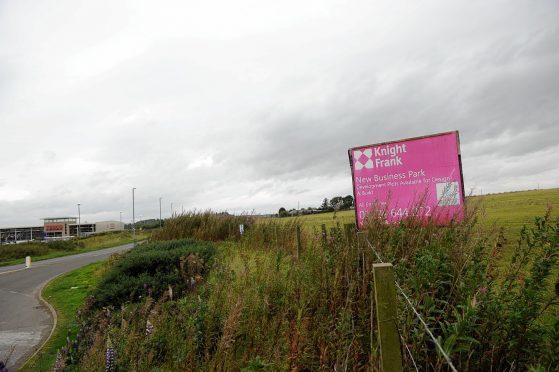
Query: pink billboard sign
column 414, row 177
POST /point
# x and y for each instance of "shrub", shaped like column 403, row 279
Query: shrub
column 149, row 269
column 513, row 310
column 489, row 312
column 15, row 251
column 64, row 245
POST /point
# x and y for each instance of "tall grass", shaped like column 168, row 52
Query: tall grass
column 206, row 225
column 263, row 307
column 273, row 234
column 486, row 314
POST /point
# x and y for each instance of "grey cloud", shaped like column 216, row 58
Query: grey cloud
column 274, row 100
column 516, row 143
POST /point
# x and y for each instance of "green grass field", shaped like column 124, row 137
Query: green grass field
column 66, row 294
column 510, row 210
column 330, row 219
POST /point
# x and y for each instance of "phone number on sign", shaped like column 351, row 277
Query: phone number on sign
column 405, row 212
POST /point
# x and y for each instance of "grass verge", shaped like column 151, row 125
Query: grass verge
column 82, row 245
column 66, row 294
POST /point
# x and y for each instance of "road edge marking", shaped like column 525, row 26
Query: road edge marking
column 13, row 271
column 53, row 314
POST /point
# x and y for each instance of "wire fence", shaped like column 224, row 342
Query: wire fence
column 290, row 230
column 419, row 317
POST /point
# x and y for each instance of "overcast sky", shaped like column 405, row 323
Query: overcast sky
column 252, row 105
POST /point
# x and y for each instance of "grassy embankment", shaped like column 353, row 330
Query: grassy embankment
column 261, row 308
column 66, row 294
column 13, row 254
column 266, row 305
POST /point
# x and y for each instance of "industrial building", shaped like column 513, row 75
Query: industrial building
column 25, row 233
column 57, row 228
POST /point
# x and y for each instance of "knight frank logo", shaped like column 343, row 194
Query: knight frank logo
column 363, row 159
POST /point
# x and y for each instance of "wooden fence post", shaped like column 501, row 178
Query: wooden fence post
column 387, row 317
column 298, row 241
column 349, row 230
column 324, row 235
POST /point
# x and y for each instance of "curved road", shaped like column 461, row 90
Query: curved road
column 24, row 321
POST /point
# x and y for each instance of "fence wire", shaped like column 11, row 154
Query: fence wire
column 417, row 314
column 409, row 352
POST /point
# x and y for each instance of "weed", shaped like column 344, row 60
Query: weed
column 263, row 306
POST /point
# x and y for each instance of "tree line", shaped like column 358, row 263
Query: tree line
column 336, row 203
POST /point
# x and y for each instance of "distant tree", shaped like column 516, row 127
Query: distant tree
column 324, row 205
column 282, row 212
column 347, row 202
column 336, row 202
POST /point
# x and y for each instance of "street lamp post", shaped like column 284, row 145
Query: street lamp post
column 159, row 212
column 133, row 218
column 79, row 220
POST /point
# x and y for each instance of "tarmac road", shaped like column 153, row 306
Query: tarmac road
column 25, row 322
